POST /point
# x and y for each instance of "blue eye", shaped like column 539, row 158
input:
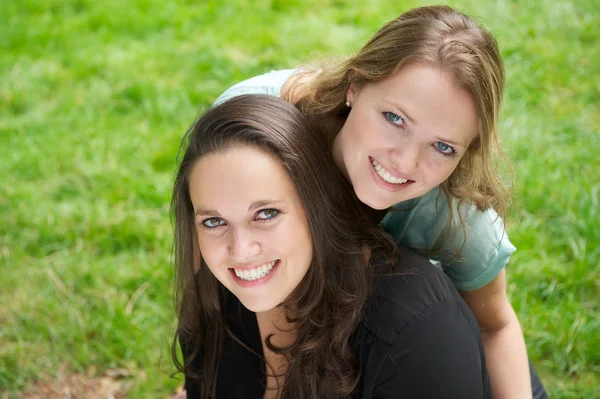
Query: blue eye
column 213, row 223
column 267, row 214
column 394, row 119
column 444, row 148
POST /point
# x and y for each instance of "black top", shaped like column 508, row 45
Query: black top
column 418, row 340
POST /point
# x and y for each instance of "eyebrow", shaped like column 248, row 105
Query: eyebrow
column 263, row 203
column 254, row 206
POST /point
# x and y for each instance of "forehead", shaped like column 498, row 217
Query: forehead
column 231, row 180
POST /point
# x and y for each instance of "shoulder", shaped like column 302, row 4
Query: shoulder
column 269, row 83
column 416, row 290
column 414, row 281
column 473, row 256
column 419, row 338
column 427, row 216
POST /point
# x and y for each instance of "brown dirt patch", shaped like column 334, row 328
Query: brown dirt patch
column 112, row 385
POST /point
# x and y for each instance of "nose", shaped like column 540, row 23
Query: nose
column 406, row 158
column 243, row 244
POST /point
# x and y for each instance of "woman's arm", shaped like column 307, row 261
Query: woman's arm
column 506, row 355
column 478, row 272
column 269, row 83
column 438, row 354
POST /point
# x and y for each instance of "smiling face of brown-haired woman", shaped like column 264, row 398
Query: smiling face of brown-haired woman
column 252, row 230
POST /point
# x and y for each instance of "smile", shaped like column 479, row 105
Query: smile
column 385, row 175
column 256, row 273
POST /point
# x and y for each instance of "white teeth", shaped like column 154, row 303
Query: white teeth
column 385, row 175
column 255, row 273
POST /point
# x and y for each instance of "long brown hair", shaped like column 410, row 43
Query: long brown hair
column 328, row 304
column 447, row 39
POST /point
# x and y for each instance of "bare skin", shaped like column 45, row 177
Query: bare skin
column 506, row 355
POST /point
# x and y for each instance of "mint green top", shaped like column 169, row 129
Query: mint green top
column 471, row 258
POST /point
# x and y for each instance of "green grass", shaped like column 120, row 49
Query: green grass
column 95, row 96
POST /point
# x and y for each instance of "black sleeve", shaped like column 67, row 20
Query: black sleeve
column 438, row 354
column 192, row 385
column 192, row 388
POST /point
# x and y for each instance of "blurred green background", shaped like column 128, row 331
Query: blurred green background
column 96, row 95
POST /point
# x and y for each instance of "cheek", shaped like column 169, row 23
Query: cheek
column 304, row 248
column 295, row 241
column 442, row 169
column 356, row 129
column 375, row 133
column 212, row 250
column 365, row 128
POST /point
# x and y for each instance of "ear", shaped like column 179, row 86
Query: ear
column 351, row 92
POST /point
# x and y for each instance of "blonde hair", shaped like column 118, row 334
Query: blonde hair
column 451, row 41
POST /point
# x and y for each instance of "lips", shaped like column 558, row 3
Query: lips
column 386, row 175
column 386, row 185
column 254, row 273
column 252, row 276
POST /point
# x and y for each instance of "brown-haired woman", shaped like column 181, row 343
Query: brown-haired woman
column 285, row 289
column 413, row 121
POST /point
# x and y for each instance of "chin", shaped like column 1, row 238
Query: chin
column 258, row 307
column 378, row 206
column 373, row 202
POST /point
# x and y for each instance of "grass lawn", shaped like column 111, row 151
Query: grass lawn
column 95, row 97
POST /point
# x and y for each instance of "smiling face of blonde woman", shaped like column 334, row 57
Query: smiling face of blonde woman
column 404, row 135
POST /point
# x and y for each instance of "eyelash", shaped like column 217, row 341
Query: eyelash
column 204, row 226
column 388, row 113
column 451, row 154
column 267, row 220
column 272, row 218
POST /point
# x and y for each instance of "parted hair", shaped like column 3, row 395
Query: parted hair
column 328, row 304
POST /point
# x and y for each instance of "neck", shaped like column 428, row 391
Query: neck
column 274, row 322
column 375, row 216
